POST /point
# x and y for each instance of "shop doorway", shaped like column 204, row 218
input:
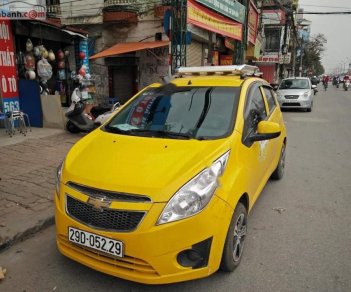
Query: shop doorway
column 124, row 82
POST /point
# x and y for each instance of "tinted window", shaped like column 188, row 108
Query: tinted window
column 179, row 112
column 255, row 110
column 270, row 98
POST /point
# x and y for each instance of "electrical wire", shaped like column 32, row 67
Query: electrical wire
column 323, row 6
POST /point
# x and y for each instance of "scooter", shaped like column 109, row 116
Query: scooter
column 78, row 121
column 346, row 85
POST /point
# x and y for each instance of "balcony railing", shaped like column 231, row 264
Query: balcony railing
column 53, row 11
column 123, row 5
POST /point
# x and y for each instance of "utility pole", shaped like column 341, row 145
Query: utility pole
column 301, row 55
column 178, row 34
column 240, row 47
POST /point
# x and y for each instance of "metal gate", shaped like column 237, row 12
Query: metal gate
column 194, row 54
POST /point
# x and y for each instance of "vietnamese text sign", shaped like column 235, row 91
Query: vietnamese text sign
column 229, row 8
column 275, row 58
column 205, row 18
column 8, row 72
column 27, row 10
column 273, row 17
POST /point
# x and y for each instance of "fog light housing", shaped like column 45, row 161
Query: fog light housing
column 196, row 257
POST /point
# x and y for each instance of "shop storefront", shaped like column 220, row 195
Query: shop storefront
column 48, row 60
column 225, row 30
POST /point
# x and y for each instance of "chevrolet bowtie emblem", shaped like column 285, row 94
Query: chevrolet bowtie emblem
column 99, row 203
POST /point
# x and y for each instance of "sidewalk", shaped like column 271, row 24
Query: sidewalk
column 27, row 180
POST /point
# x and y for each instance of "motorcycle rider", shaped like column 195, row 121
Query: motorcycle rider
column 314, row 80
column 346, row 81
column 325, row 81
column 335, row 80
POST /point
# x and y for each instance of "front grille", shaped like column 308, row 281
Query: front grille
column 114, row 196
column 107, row 219
column 291, row 104
column 291, row 96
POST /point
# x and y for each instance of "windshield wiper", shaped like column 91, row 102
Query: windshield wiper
column 161, row 133
column 158, row 133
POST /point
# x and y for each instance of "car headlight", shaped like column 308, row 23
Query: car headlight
column 193, row 197
column 58, row 178
column 306, row 94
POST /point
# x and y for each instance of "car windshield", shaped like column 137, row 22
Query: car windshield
column 294, row 84
column 176, row 112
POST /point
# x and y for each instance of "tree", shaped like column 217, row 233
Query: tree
column 312, row 55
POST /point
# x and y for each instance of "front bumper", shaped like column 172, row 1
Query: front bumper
column 150, row 251
column 295, row 104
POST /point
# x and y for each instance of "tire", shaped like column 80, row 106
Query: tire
column 310, row 108
column 278, row 173
column 72, row 128
column 235, row 240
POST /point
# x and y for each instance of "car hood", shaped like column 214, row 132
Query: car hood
column 292, row 91
column 153, row 167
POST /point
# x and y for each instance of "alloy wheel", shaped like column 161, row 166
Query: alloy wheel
column 239, row 237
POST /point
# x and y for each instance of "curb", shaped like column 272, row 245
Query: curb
column 41, row 225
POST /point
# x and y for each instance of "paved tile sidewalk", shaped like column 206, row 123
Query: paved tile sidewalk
column 27, row 182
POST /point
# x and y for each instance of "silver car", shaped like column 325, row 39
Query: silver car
column 296, row 93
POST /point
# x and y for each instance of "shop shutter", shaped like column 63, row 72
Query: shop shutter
column 123, row 83
column 194, row 54
column 268, row 72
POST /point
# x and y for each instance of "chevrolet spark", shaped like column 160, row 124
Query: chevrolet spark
column 161, row 192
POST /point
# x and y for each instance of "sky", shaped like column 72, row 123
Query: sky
column 336, row 28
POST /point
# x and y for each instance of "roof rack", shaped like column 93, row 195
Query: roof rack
column 243, row 70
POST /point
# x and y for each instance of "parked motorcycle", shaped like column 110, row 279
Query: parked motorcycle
column 78, row 120
column 346, row 85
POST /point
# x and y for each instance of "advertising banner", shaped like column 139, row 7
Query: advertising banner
column 82, row 47
column 226, row 60
column 207, row 19
column 252, row 24
column 229, row 8
column 8, row 72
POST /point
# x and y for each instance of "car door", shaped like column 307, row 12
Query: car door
column 273, row 146
column 254, row 153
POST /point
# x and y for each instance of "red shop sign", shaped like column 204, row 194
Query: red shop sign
column 8, row 72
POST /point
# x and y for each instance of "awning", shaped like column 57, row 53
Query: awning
column 123, row 48
column 74, row 33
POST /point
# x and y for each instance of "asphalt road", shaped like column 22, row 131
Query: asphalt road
column 299, row 230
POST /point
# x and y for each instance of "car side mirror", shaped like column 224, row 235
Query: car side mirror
column 266, row 131
column 275, row 87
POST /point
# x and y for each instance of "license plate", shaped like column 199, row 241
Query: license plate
column 97, row 242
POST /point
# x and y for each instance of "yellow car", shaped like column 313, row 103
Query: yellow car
column 160, row 193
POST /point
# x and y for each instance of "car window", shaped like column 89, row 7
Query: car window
column 193, row 112
column 270, row 98
column 295, row 84
column 255, row 111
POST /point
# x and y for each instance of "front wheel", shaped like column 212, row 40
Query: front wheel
column 234, row 242
column 72, row 128
column 278, row 173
